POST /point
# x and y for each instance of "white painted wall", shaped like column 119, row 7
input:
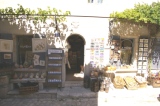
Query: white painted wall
column 88, row 27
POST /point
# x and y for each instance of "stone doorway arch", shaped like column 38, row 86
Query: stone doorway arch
column 76, row 47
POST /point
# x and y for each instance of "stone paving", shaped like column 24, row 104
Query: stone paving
column 48, row 102
column 79, row 96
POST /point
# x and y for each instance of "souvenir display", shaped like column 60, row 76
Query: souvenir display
column 21, row 66
column 37, row 75
column 154, row 79
column 26, row 75
column 131, row 83
column 16, row 65
column 109, row 68
column 43, row 75
column 25, row 65
column 31, row 66
column 31, row 75
column 54, row 68
column 141, row 81
column 142, row 54
column 119, row 82
column 15, row 76
column 21, row 76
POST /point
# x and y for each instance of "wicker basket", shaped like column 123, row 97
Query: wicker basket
column 28, row 89
column 141, row 84
column 155, row 84
column 118, row 82
column 118, row 86
column 131, row 81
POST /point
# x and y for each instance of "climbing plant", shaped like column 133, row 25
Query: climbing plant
column 37, row 15
column 141, row 13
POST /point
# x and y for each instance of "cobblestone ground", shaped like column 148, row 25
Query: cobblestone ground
column 79, row 102
column 48, row 102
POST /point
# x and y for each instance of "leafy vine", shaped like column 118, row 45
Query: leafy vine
column 39, row 15
column 141, row 13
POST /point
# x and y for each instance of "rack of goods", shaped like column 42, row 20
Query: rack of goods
column 154, row 79
column 94, row 84
column 141, row 81
column 143, row 54
column 54, row 68
column 118, row 82
column 25, row 75
column 131, row 83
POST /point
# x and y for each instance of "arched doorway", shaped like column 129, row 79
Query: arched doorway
column 75, row 57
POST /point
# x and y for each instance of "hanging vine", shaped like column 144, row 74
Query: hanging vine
column 36, row 15
column 141, row 13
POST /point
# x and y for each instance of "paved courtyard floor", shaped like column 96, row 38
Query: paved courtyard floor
column 75, row 97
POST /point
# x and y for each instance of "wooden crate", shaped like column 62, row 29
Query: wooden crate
column 28, row 89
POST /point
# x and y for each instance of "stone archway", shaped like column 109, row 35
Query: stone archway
column 75, row 56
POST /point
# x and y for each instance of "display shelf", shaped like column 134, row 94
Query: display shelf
column 54, row 80
column 27, row 79
column 4, row 73
column 54, row 67
column 55, row 58
column 25, row 69
column 142, row 54
column 40, row 82
column 54, row 72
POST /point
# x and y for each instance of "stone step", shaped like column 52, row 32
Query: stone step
column 74, row 84
column 41, row 94
column 63, row 93
column 76, row 93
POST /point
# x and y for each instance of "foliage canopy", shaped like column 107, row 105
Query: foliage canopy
column 141, row 13
column 37, row 15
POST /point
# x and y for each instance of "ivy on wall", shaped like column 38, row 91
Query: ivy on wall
column 37, row 15
column 141, row 13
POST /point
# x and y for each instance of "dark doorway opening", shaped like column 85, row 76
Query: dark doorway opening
column 24, row 48
column 75, row 58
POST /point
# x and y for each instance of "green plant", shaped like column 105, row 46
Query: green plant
column 141, row 13
column 39, row 15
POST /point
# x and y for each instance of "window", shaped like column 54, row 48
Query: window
column 95, row 1
column 126, row 51
column 24, row 49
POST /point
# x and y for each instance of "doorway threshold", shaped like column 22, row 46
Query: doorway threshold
column 73, row 83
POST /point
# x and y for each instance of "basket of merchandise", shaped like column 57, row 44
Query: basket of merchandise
column 109, row 68
column 27, row 88
column 141, row 81
column 154, row 79
column 131, row 83
column 155, row 82
column 118, row 82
